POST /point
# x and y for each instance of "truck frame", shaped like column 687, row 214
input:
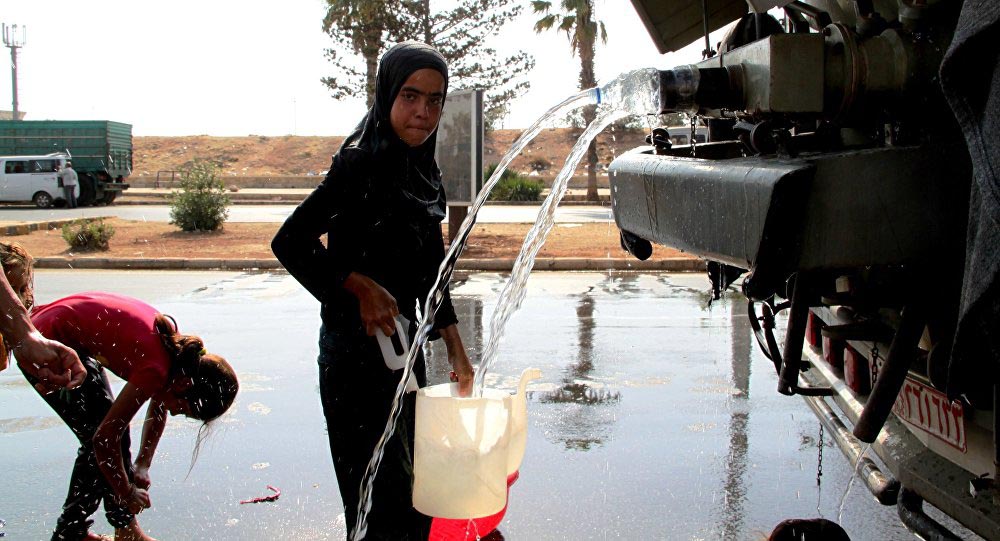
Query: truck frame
column 836, row 182
column 101, row 151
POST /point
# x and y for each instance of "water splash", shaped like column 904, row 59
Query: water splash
column 631, row 93
column 854, row 475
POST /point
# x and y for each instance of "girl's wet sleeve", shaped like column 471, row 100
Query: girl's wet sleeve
column 446, row 313
column 297, row 244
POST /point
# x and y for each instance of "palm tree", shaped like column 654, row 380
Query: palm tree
column 577, row 20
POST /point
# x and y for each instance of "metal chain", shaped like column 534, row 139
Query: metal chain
column 819, row 461
column 694, row 120
column 874, row 367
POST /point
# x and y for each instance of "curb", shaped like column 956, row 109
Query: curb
column 26, row 228
column 497, row 265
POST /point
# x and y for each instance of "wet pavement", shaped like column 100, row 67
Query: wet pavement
column 656, row 417
column 492, row 213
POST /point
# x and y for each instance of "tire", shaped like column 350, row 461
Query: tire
column 88, row 190
column 109, row 197
column 42, row 200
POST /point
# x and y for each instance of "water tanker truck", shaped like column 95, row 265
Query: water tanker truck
column 101, row 151
column 852, row 207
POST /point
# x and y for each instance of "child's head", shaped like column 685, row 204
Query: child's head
column 213, row 389
column 18, row 267
column 411, row 85
column 203, row 386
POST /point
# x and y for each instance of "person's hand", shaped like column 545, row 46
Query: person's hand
column 463, row 372
column 55, row 365
column 136, row 500
column 378, row 306
column 141, row 477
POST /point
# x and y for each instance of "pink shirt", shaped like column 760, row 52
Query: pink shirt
column 116, row 330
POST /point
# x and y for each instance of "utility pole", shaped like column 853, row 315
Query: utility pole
column 14, row 37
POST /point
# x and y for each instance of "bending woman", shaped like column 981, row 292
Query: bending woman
column 169, row 370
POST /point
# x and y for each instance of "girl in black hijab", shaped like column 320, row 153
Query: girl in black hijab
column 381, row 206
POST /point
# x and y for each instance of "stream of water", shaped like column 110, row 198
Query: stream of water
column 633, row 93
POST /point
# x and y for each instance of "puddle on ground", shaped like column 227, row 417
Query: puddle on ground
column 28, row 424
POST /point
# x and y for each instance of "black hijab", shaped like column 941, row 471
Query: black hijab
column 410, row 174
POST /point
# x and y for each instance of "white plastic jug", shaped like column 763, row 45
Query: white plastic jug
column 464, row 449
column 395, row 348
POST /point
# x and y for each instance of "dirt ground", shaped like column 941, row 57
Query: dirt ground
column 257, row 155
column 252, row 241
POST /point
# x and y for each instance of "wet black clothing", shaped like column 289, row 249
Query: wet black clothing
column 381, row 206
column 349, row 362
column 376, row 225
column 83, row 409
column 970, row 77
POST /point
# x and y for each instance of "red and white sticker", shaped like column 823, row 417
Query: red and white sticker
column 930, row 410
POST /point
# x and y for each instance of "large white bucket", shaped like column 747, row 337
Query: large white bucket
column 464, row 449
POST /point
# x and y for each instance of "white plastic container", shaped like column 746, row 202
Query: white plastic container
column 395, row 354
column 465, row 447
column 396, row 348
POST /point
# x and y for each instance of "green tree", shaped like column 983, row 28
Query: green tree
column 577, row 20
column 367, row 29
column 359, row 28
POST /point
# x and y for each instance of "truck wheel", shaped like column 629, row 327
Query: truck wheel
column 88, row 192
column 42, row 200
column 109, row 197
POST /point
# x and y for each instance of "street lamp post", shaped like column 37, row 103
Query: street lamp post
column 14, row 37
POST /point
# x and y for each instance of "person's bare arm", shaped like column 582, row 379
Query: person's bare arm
column 458, row 358
column 152, row 429
column 51, row 362
column 108, row 448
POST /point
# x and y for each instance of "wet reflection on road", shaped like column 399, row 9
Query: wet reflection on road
column 656, row 417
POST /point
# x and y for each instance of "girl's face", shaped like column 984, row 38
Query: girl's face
column 173, row 397
column 22, row 281
column 417, row 109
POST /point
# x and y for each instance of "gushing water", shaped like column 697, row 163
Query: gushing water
column 632, row 93
column 854, row 475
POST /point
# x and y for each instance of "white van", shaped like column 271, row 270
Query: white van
column 32, row 178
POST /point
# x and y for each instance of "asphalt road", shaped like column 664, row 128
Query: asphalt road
column 656, row 416
column 278, row 213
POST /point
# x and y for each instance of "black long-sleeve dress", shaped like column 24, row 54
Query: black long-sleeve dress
column 380, row 206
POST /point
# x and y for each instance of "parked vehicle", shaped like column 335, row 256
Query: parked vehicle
column 836, row 179
column 101, row 151
column 32, row 178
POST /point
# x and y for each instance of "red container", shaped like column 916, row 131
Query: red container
column 446, row 529
column 833, row 352
column 857, row 371
column 814, row 326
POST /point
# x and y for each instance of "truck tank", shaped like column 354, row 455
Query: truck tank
column 838, row 190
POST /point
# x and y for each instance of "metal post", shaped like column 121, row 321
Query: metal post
column 14, row 37
column 13, row 77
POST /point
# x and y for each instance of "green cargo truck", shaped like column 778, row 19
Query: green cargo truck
column 101, row 151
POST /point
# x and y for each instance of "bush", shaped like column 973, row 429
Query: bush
column 539, row 164
column 202, row 203
column 513, row 186
column 517, row 189
column 88, row 234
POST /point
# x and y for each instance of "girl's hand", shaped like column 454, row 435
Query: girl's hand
column 464, row 373
column 141, row 477
column 137, row 500
column 378, row 306
column 55, row 365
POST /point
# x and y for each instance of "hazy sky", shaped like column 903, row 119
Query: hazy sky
column 227, row 67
